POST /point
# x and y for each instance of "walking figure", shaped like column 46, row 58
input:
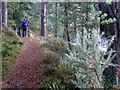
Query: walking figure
column 24, row 27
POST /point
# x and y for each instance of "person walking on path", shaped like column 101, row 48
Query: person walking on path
column 24, row 27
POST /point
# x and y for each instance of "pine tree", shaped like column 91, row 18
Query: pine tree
column 88, row 60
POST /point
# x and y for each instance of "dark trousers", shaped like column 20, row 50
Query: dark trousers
column 18, row 32
column 24, row 32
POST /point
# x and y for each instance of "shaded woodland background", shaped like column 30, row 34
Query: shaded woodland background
column 59, row 25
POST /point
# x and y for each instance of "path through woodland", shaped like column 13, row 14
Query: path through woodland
column 28, row 69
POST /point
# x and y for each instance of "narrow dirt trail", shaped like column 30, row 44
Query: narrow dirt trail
column 28, row 69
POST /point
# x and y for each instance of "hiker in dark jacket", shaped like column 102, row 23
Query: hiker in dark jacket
column 24, row 27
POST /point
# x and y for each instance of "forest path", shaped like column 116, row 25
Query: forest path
column 28, row 69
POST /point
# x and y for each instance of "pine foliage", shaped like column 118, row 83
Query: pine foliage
column 89, row 60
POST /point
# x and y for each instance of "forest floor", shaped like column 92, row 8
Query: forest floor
column 28, row 69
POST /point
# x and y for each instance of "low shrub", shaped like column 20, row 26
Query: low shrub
column 4, row 52
column 57, row 45
column 11, row 22
column 51, row 57
column 10, row 48
column 59, row 77
column 89, row 60
column 57, row 71
column 8, row 32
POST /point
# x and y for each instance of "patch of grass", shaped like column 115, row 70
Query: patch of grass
column 57, row 45
column 58, row 73
column 51, row 57
column 10, row 49
column 60, row 76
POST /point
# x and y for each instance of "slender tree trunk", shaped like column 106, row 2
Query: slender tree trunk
column 43, row 15
column 66, row 32
column 118, row 32
column 74, row 21
column 87, row 15
column 0, row 15
column 4, row 13
column 56, row 19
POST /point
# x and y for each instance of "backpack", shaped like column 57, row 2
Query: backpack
column 24, row 24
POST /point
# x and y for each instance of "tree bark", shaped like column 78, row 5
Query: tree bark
column 118, row 32
column 74, row 21
column 4, row 13
column 0, row 15
column 66, row 32
column 43, row 15
column 56, row 19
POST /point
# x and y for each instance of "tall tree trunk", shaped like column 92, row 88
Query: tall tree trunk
column 87, row 28
column 118, row 32
column 43, row 15
column 0, row 15
column 66, row 32
column 56, row 19
column 113, row 11
column 74, row 21
column 4, row 13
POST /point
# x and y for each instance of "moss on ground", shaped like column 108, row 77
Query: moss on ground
column 10, row 49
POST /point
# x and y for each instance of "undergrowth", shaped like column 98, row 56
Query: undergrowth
column 81, row 67
column 58, row 73
column 10, row 49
